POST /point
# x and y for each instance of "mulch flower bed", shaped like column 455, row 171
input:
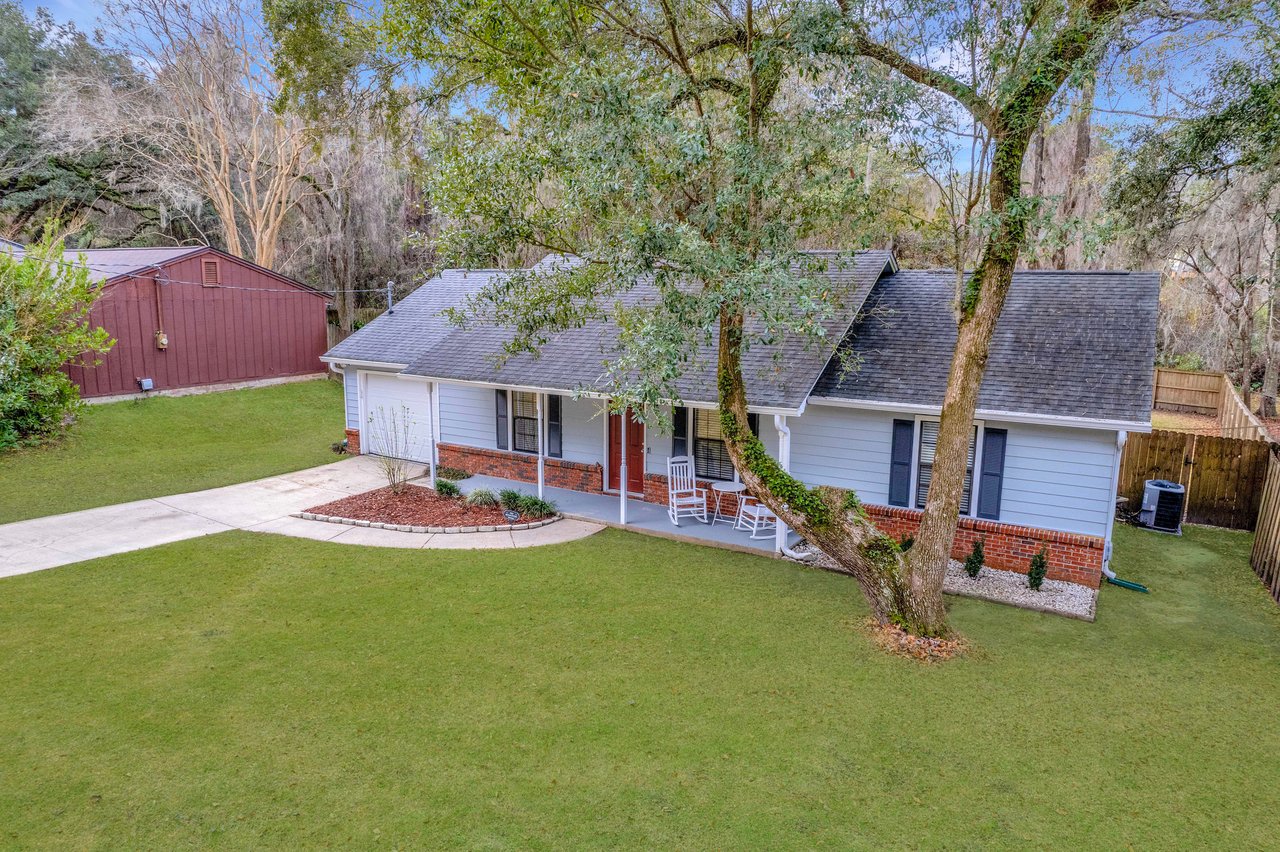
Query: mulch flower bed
column 414, row 506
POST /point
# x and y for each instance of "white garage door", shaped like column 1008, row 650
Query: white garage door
column 397, row 417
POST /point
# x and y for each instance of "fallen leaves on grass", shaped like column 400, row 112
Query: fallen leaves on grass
column 925, row 649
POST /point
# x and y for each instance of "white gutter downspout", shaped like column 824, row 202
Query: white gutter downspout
column 1122, row 438
column 432, row 389
column 784, row 461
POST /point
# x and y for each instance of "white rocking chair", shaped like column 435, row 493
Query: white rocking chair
column 684, row 498
column 756, row 517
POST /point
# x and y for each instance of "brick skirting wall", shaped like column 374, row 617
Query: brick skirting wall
column 522, row 467
column 353, row 441
column 1072, row 557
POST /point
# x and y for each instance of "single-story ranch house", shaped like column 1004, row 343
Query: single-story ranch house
column 1068, row 377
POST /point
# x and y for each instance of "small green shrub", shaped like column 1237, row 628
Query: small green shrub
column 452, row 473
column 445, row 488
column 510, row 498
column 973, row 562
column 534, row 507
column 906, row 543
column 482, row 497
column 1039, row 567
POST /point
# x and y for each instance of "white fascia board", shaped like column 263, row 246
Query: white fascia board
column 583, row 394
column 989, row 414
column 364, row 365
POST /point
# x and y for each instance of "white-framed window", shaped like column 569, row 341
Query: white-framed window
column 516, row 418
column 926, row 449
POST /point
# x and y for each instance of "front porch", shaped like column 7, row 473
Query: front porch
column 641, row 516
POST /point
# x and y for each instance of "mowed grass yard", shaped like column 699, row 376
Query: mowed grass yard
column 124, row 451
column 245, row 690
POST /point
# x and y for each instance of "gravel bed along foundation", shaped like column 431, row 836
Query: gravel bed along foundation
column 1007, row 587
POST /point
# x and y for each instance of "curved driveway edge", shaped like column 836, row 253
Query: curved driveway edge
column 264, row 505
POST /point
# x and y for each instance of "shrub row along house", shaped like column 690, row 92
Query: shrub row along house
column 1069, row 376
column 191, row 316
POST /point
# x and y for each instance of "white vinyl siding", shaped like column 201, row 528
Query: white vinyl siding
column 467, row 416
column 351, row 397
column 845, row 448
column 582, row 430
column 1055, row 477
column 1058, row 478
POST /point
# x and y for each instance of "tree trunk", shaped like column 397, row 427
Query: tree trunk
column 1077, row 193
column 981, row 306
column 830, row 518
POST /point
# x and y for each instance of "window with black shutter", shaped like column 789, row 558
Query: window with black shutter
column 710, row 455
column 555, row 439
column 991, row 482
column 679, row 431
column 524, row 422
column 904, row 432
column 924, row 470
column 500, row 402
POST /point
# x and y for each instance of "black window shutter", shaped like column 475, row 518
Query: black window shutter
column 900, row 462
column 991, row 483
column 679, row 431
column 555, row 443
column 500, row 400
column 753, row 420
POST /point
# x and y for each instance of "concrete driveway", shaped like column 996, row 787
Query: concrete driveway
column 265, row 505
column 62, row 539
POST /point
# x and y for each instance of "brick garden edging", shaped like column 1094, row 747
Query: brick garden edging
column 378, row 525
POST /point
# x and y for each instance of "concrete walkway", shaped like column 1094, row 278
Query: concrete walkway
column 264, row 505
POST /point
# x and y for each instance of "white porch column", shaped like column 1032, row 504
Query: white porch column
column 433, row 407
column 784, row 461
column 622, row 472
column 542, row 448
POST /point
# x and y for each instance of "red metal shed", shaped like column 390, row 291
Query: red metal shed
column 192, row 316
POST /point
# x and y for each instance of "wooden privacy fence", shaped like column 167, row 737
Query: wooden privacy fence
column 1185, row 390
column 1224, row 477
column 1235, row 419
column 1265, row 558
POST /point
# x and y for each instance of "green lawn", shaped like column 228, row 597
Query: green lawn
column 623, row 691
column 126, row 451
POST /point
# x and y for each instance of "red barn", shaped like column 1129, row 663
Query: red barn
column 184, row 317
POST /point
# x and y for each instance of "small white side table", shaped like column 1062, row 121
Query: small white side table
column 720, row 489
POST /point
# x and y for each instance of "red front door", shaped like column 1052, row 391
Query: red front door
column 635, row 453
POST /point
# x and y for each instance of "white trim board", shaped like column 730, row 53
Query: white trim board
column 988, row 414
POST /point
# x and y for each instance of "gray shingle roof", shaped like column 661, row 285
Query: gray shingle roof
column 1073, row 344
column 105, row 264
column 575, row 360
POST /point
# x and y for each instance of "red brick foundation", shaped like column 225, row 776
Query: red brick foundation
column 523, row 467
column 353, row 441
column 1072, row 557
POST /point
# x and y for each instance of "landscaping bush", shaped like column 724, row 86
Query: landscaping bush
column 907, row 542
column 44, row 309
column 535, row 507
column 482, row 497
column 973, row 562
column 510, row 498
column 1039, row 567
column 452, row 473
column 445, row 488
